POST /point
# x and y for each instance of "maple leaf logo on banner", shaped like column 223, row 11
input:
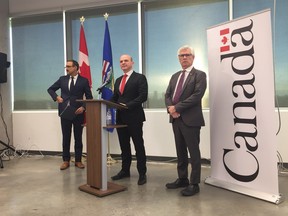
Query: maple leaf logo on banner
column 224, row 40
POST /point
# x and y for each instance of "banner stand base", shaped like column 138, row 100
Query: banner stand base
column 276, row 199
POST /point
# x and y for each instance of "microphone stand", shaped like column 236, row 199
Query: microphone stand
column 1, row 162
column 10, row 147
column 99, row 93
column 110, row 160
column 102, row 86
column 7, row 147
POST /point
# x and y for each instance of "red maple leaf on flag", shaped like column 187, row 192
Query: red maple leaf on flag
column 84, row 66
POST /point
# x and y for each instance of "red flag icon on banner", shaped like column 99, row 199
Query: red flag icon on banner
column 84, row 66
column 224, row 34
column 83, row 60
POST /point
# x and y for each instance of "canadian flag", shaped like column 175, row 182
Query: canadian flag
column 83, row 60
column 224, row 33
column 84, row 66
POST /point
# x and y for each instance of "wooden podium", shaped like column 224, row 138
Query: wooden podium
column 97, row 135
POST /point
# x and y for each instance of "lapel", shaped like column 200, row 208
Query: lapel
column 66, row 82
column 189, row 78
column 129, row 81
column 174, row 85
column 77, row 82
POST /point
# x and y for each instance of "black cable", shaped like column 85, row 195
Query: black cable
column 8, row 146
column 2, row 118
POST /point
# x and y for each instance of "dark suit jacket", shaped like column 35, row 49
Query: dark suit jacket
column 189, row 106
column 134, row 95
column 81, row 88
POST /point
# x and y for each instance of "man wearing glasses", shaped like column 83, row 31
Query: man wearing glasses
column 73, row 87
column 183, row 101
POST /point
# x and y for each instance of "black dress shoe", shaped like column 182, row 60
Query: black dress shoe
column 142, row 180
column 190, row 190
column 178, row 183
column 120, row 175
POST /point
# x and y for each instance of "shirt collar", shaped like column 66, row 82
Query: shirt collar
column 189, row 69
column 75, row 77
column 129, row 73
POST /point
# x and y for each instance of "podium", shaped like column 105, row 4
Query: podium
column 96, row 136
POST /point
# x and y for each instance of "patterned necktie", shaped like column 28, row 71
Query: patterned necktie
column 72, row 83
column 179, row 88
column 123, row 82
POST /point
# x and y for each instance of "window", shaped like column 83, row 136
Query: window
column 168, row 26
column 38, row 56
column 280, row 43
column 38, row 48
column 123, row 28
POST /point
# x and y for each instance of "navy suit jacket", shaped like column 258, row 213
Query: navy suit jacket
column 134, row 95
column 81, row 88
column 189, row 105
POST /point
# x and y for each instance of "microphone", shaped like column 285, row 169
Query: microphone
column 103, row 85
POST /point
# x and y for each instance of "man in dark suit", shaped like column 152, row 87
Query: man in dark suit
column 73, row 87
column 131, row 90
column 183, row 100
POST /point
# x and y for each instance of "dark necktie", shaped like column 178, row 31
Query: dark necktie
column 123, row 82
column 72, row 83
column 179, row 88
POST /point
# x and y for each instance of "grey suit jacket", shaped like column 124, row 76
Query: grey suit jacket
column 189, row 105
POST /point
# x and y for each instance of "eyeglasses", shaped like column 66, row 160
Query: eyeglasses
column 184, row 55
column 67, row 66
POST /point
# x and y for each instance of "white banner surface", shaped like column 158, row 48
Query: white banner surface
column 242, row 110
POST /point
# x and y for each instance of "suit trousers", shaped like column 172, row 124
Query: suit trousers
column 135, row 132
column 187, row 137
column 66, row 126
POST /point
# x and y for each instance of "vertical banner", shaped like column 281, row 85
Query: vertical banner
column 242, row 110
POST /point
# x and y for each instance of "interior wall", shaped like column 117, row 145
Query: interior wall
column 44, row 134
column 28, row 7
column 41, row 131
column 5, row 88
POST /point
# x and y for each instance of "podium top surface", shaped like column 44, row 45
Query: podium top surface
column 108, row 103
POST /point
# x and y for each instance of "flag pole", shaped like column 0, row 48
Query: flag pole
column 82, row 20
column 84, row 155
column 110, row 160
column 106, row 15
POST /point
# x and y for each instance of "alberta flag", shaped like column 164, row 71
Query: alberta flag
column 107, row 71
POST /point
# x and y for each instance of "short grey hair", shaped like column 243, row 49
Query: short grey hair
column 186, row 47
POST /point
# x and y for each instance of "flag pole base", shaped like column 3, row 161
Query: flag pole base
column 110, row 160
